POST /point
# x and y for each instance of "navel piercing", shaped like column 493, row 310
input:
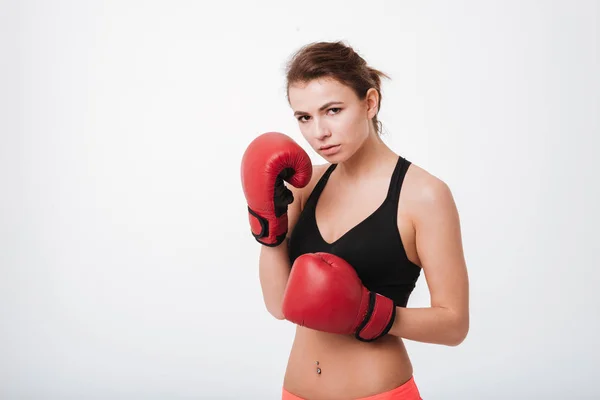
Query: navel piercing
column 318, row 369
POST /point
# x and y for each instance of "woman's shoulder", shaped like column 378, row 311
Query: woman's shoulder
column 318, row 171
column 423, row 190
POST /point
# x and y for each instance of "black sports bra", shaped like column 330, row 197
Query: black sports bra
column 373, row 246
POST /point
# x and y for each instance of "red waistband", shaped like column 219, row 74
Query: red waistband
column 406, row 391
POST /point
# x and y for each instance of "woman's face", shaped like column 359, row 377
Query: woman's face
column 331, row 117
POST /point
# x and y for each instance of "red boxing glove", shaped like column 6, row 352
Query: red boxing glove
column 270, row 159
column 325, row 293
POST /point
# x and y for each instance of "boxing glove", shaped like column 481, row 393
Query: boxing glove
column 270, row 159
column 324, row 293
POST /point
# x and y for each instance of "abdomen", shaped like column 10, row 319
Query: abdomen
column 349, row 368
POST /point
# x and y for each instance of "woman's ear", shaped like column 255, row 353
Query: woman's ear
column 372, row 102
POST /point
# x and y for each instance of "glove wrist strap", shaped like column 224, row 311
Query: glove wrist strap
column 261, row 229
column 379, row 319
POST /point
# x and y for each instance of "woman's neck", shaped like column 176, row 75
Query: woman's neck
column 371, row 158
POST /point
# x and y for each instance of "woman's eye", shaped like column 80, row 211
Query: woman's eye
column 336, row 110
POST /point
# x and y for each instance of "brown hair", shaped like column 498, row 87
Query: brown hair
column 339, row 61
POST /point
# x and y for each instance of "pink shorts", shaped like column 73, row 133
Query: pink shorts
column 406, row 391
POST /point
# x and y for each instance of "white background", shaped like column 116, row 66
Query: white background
column 127, row 268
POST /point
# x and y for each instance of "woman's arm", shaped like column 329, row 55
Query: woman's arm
column 274, row 270
column 439, row 246
column 274, row 263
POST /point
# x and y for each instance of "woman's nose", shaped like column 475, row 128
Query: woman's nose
column 322, row 131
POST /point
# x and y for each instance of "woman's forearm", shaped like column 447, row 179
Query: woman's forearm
column 429, row 325
column 274, row 270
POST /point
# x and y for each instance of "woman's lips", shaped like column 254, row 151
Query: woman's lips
column 330, row 150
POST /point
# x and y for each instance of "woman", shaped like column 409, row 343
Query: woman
column 344, row 243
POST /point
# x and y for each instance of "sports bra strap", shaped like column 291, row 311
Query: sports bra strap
column 316, row 192
column 397, row 180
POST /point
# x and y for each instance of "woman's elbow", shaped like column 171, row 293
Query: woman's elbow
column 459, row 335
column 277, row 314
column 275, row 311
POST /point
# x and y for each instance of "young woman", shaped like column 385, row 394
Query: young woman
column 345, row 242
